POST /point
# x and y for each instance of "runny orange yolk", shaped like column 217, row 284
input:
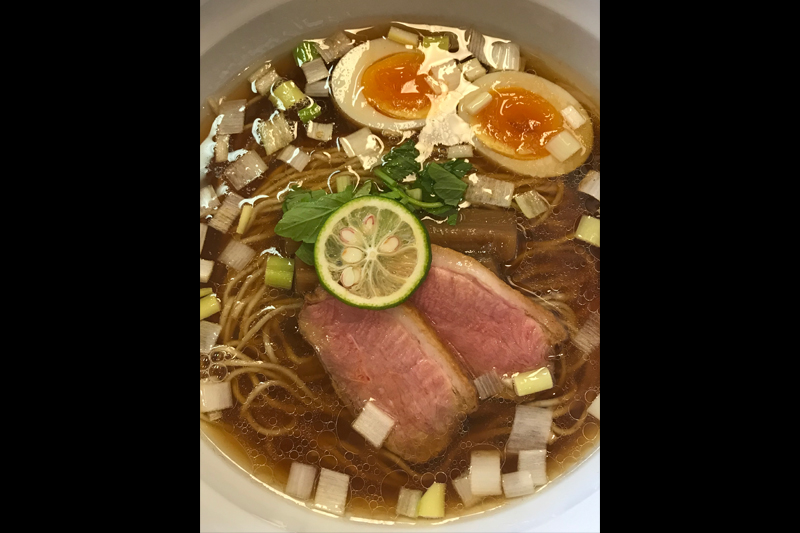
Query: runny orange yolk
column 517, row 123
column 393, row 86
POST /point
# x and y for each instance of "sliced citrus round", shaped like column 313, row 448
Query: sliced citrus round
column 372, row 252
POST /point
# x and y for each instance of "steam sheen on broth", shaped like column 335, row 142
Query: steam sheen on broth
column 285, row 407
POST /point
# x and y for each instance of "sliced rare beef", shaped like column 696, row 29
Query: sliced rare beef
column 393, row 357
column 489, row 324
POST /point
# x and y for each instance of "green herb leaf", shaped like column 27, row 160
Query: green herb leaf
column 304, row 219
column 401, row 161
column 445, row 184
column 298, row 194
column 364, row 190
column 452, row 219
column 458, row 167
column 305, row 253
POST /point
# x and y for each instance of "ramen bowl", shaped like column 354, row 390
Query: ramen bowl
column 236, row 34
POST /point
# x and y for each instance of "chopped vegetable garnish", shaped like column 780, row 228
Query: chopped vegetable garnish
column 534, row 381
column 276, row 133
column 206, row 267
column 334, row 46
column 590, row 184
column 459, row 151
column 263, row 85
column 373, row 424
column 224, row 216
column 463, row 487
column 364, row 145
column 309, row 113
column 408, row 502
column 318, row 89
column 594, row 408
column 215, row 396
column 221, row 148
column 304, row 52
column 245, row 169
column 535, row 462
column 320, row 132
column 431, row 505
column 208, row 334
column 516, row 484
column 573, row 117
column 203, row 231
column 589, row 230
column 288, row 95
column 332, row 489
column 530, row 429
column 532, row 204
column 208, row 306
column 472, row 69
column 475, row 44
column 402, row 36
column 562, row 145
column 442, row 41
column 477, row 101
column 301, row 480
column 484, row 473
column 505, row 56
column 315, row 70
column 232, row 112
column 588, row 336
column 236, row 255
column 489, row 191
column 244, row 219
column 205, row 291
column 296, row 157
column 343, row 181
column 488, row 385
column 208, row 200
column 279, row 272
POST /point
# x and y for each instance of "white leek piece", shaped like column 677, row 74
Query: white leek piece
column 477, row 101
column 232, row 112
column 320, row 132
column 573, row 117
column 203, row 231
column 221, row 148
column 263, row 85
column 208, row 200
column 589, row 230
column 261, row 71
column 286, row 95
column 402, row 36
column 209, row 305
column 590, row 184
column 318, row 89
column 463, row 487
column 206, row 267
column 505, row 56
column 315, row 70
column 245, row 169
column 459, row 151
column 436, row 86
column 447, row 73
column 534, row 381
column 588, row 336
column 332, row 489
column 488, row 385
column 208, row 335
column 488, row 191
column 236, row 255
column 373, row 424
column 516, row 484
column 227, row 213
column 476, row 43
column 431, row 505
column 594, row 408
column 244, row 219
column 215, row 396
column 343, row 180
column 297, row 158
column 484, row 473
column 531, row 203
column 301, row 480
column 276, row 133
column 472, row 69
column 334, row 46
column 562, row 145
column 408, row 501
column 530, row 429
column 364, row 145
column 535, row 462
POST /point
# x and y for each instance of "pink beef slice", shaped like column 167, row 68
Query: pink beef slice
column 393, row 357
column 489, row 324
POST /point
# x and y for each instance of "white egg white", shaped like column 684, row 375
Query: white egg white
column 547, row 166
column 346, row 86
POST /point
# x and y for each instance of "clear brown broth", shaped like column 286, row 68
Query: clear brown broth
column 324, row 439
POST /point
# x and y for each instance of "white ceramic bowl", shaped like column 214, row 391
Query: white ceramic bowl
column 234, row 34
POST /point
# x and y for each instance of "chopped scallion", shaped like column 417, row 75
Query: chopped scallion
column 304, row 52
column 589, row 230
column 442, row 41
column 535, row 462
column 244, row 218
column 236, row 255
column 206, row 267
column 289, row 94
column 332, row 489
column 205, row 291
column 484, row 473
column 208, row 306
column 573, row 117
column 343, row 181
column 373, row 424
column 590, row 184
column 402, row 36
column 301, row 480
column 530, row 429
column 408, row 502
column 279, row 272
column 532, row 204
column 315, row 70
column 215, row 396
column 516, row 484
column 309, row 113
column 320, row 132
column 208, row 335
column 534, row 381
column 488, row 191
column 562, row 145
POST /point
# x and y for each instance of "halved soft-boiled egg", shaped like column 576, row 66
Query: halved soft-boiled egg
column 527, row 124
column 378, row 84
